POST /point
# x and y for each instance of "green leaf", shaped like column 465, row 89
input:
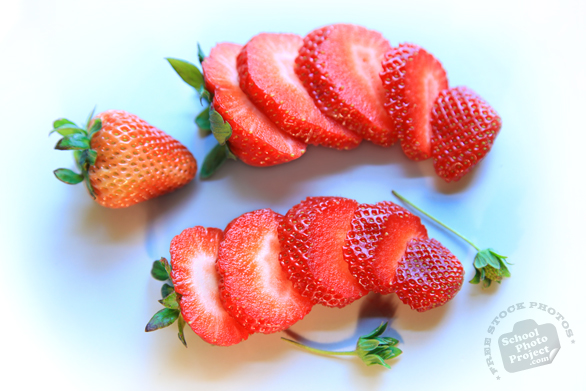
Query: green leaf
column 375, row 360
column 490, row 258
column 221, row 130
column 67, row 130
column 72, row 142
column 166, row 290
column 163, row 318
column 68, row 176
column 188, row 72
column 180, row 334
column 96, row 126
column 376, row 332
column 204, row 94
column 158, row 271
column 215, row 158
column 86, row 158
column 170, row 301
column 92, row 156
column 166, row 265
column 481, row 260
column 63, row 121
column 476, row 279
column 89, row 119
column 368, row 344
column 486, row 282
column 200, row 55
column 203, row 119
column 89, row 187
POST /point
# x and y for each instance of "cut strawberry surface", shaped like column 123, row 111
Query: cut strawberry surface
column 428, row 275
column 412, row 79
column 339, row 65
column 312, row 235
column 254, row 287
column 266, row 70
column 465, row 127
column 193, row 256
column 255, row 139
column 377, row 241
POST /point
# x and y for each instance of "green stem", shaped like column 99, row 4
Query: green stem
column 320, row 351
column 433, row 218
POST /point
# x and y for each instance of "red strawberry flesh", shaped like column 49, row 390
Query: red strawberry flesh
column 193, row 257
column 255, row 139
column 339, row 65
column 254, row 287
column 464, row 128
column 412, row 79
column 266, row 69
column 312, row 235
column 376, row 242
column 428, row 275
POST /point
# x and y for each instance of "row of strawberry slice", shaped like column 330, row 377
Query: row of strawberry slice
column 341, row 84
column 265, row 271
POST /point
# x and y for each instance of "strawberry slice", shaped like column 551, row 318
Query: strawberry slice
column 312, row 235
column 428, row 275
column 465, row 127
column 376, row 242
column 339, row 66
column 254, row 287
column 255, row 139
column 412, row 79
column 266, row 69
column 193, row 256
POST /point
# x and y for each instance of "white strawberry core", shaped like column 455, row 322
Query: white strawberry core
column 205, row 282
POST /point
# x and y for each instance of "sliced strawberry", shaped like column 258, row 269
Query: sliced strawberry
column 428, row 275
column 339, row 65
column 312, row 235
column 412, row 79
column 266, row 69
column 377, row 241
column 193, row 256
column 464, row 128
column 255, row 139
column 254, row 287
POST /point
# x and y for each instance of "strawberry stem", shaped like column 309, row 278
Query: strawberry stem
column 320, row 351
column 371, row 348
column 403, row 199
column 489, row 265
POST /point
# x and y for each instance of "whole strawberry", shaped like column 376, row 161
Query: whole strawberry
column 464, row 128
column 123, row 160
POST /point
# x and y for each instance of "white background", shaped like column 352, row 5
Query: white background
column 76, row 290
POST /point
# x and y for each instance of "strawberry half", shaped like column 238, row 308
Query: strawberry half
column 464, row 128
column 339, row 66
column 377, row 241
column 193, row 256
column 255, row 139
column 266, row 68
column 412, row 79
column 254, row 287
column 428, row 275
column 312, row 235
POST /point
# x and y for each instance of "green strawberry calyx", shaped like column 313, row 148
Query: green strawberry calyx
column 161, row 271
column 208, row 120
column 77, row 139
column 489, row 265
column 371, row 348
